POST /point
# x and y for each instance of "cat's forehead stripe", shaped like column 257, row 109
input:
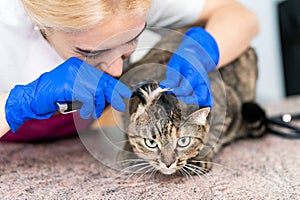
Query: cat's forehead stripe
column 149, row 97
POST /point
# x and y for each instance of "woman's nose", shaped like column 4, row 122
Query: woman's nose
column 115, row 69
column 114, row 61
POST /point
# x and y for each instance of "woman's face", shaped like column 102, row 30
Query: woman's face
column 104, row 46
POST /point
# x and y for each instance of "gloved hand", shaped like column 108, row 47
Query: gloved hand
column 187, row 71
column 74, row 80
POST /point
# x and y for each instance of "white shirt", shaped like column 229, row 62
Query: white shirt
column 25, row 54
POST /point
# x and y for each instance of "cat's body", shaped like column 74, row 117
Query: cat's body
column 173, row 136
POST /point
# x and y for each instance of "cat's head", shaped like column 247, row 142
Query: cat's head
column 163, row 130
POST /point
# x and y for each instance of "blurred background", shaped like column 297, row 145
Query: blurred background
column 277, row 48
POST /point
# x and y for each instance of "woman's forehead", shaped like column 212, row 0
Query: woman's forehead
column 108, row 34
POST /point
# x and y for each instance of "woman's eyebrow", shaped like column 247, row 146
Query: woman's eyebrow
column 85, row 51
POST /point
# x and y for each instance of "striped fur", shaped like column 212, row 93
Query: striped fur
column 158, row 123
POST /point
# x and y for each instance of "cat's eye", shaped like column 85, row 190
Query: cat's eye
column 183, row 142
column 150, row 143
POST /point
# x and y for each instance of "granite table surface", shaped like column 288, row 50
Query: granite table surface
column 264, row 168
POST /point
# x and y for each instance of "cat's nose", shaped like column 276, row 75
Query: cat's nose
column 168, row 164
column 168, row 156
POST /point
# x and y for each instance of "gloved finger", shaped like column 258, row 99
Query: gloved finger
column 200, row 97
column 99, row 105
column 87, row 108
column 45, row 106
column 204, row 96
column 113, row 93
column 46, row 116
column 189, row 99
column 184, row 89
column 167, row 83
column 201, row 74
column 47, row 110
column 173, row 76
column 117, row 102
column 115, row 99
column 81, row 92
column 123, row 90
column 193, row 67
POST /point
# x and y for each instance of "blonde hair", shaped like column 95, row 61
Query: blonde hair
column 75, row 15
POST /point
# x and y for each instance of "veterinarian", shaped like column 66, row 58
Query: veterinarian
column 56, row 51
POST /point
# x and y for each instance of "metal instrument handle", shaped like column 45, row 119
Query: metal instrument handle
column 68, row 106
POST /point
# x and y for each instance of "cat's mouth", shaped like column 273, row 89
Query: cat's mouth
column 168, row 170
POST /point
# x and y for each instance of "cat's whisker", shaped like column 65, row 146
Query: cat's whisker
column 202, row 171
column 138, row 171
column 203, row 161
column 153, row 172
column 183, row 173
column 193, row 170
column 187, row 172
column 213, row 163
column 130, row 161
column 195, row 166
column 136, row 165
column 127, row 169
column 141, row 169
column 149, row 170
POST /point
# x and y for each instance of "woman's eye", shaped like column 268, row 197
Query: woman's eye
column 150, row 143
column 95, row 56
column 184, row 142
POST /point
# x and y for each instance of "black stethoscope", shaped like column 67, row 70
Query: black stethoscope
column 281, row 125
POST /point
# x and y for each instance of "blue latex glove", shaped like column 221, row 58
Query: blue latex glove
column 187, row 71
column 74, row 80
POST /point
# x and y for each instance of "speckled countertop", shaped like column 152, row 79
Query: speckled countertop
column 266, row 168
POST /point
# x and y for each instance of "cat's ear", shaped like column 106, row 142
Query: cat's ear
column 141, row 96
column 144, row 97
column 199, row 117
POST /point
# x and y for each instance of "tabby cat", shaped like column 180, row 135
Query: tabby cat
column 169, row 136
